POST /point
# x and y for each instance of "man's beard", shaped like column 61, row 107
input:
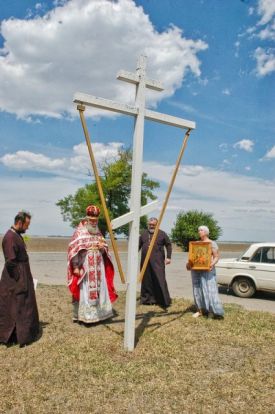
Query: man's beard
column 92, row 229
column 151, row 230
column 21, row 231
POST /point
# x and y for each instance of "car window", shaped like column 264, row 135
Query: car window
column 270, row 255
column 257, row 256
column 264, row 255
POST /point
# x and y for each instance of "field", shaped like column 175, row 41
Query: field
column 180, row 364
column 60, row 244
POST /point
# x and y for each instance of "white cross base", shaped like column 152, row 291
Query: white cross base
column 136, row 211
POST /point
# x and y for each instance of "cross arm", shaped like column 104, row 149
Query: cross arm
column 134, row 78
column 169, row 120
column 128, row 217
column 90, row 100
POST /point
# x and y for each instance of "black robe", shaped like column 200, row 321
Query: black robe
column 154, row 289
column 18, row 308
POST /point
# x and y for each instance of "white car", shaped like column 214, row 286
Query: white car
column 254, row 270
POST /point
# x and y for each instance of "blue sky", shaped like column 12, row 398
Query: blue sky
column 216, row 60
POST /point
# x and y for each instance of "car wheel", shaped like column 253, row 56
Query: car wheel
column 243, row 287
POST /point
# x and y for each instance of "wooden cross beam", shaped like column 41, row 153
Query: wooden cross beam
column 94, row 101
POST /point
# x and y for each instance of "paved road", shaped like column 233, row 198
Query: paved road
column 50, row 268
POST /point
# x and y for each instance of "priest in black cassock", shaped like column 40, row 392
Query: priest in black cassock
column 154, row 289
column 18, row 309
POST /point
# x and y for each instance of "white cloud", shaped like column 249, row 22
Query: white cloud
column 38, row 6
column 26, row 160
column 265, row 61
column 223, row 147
column 39, row 196
column 228, row 196
column 250, row 11
column 251, row 30
column 203, row 82
column 268, row 32
column 237, row 46
column 226, row 162
column 270, row 154
column 244, row 206
column 59, row 2
column 79, row 163
column 102, row 152
column 265, row 31
column 192, row 170
column 80, row 46
column 226, row 91
column 244, row 144
column 266, row 9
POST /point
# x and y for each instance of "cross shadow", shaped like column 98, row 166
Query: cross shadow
column 112, row 321
column 145, row 319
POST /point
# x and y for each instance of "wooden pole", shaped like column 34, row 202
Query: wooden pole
column 81, row 109
column 151, row 245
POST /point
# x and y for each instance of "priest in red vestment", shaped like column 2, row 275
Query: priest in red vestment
column 90, row 271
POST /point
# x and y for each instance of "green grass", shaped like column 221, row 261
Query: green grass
column 180, row 364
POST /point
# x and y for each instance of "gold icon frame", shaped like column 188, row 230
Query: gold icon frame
column 200, row 254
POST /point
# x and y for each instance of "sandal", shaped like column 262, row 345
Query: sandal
column 197, row 314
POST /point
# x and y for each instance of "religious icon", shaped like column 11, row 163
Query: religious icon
column 200, row 255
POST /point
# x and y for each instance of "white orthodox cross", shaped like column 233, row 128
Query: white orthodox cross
column 136, row 210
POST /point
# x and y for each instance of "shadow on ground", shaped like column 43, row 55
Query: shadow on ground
column 258, row 295
column 152, row 319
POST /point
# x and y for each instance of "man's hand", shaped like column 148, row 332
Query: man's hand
column 101, row 246
column 78, row 272
column 212, row 265
column 189, row 265
column 167, row 261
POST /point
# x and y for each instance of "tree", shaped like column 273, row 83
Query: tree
column 116, row 184
column 186, row 227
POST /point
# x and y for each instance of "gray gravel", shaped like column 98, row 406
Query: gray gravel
column 50, row 268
